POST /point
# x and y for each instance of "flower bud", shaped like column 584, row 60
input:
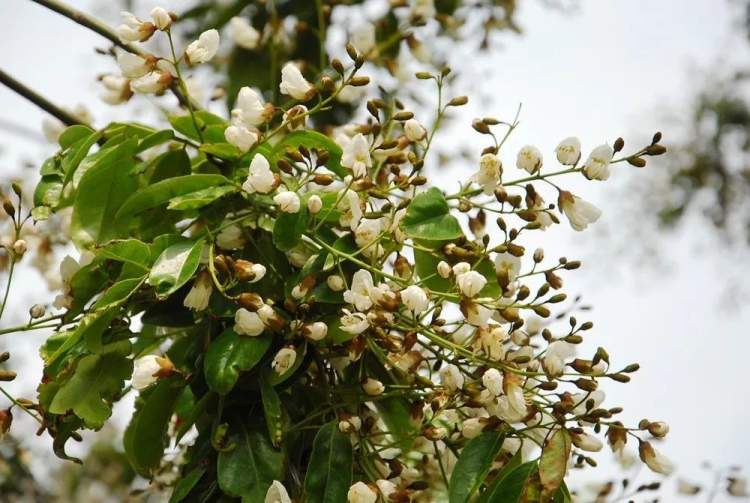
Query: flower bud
column 162, row 18
column 373, row 387
column 6, row 419
column 314, row 204
column 287, row 201
column 19, row 248
column 248, row 271
column 658, row 429
column 335, row 282
column 315, row 331
column 37, row 311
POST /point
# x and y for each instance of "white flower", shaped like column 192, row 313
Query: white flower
column 352, row 211
column 277, row 492
column 354, row 323
column 231, row 238
column 248, row 323
column 204, row 49
column 529, row 159
column 361, row 493
column 133, row 29
column 250, row 109
column 152, row 83
column 596, row 166
column 243, row 34
column 134, row 66
column 488, row 176
column 315, row 331
column 444, row 269
column 414, row 131
column 386, row 488
column 356, row 155
column 366, row 234
column 470, row 283
column 294, row 84
column 423, row 8
column 360, row 291
column 296, row 117
column 508, row 265
column 472, row 427
column 451, row 377
column 363, row 37
column 116, row 89
column 284, row 360
column 373, row 387
column 514, row 392
column 493, row 381
column 580, row 399
column 555, row 356
column 287, row 201
column 569, row 151
column 580, row 213
column 586, row 442
column 198, row 296
column 260, row 178
column 147, row 369
column 656, row 461
column 314, row 204
column 491, row 340
column 415, row 299
column 161, row 18
column 335, row 282
column 476, row 314
column 241, row 137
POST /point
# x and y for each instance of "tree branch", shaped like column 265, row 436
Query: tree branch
column 64, row 116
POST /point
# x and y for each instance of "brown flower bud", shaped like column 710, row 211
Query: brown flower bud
column 251, row 301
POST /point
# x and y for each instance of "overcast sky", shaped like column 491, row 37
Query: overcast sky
column 613, row 68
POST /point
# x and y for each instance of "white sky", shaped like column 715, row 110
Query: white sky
column 610, row 69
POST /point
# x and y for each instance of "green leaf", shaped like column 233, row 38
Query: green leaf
column 288, row 228
column 563, row 494
column 313, row 139
column 145, row 437
column 329, row 474
column 75, row 155
column 554, row 461
column 48, row 191
column 426, row 264
column 428, row 217
column 162, row 192
column 200, row 198
column 175, row 266
column 97, row 380
column 248, row 470
column 512, row 487
column 230, row 354
column 119, row 292
column 170, row 164
column 186, row 484
column 271, row 409
column 473, row 465
column 129, row 251
column 155, row 139
column 101, row 192
column 73, row 134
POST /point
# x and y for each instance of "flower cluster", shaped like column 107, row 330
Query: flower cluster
column 288, row 294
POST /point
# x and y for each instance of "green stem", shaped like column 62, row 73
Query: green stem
column 7, row 286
